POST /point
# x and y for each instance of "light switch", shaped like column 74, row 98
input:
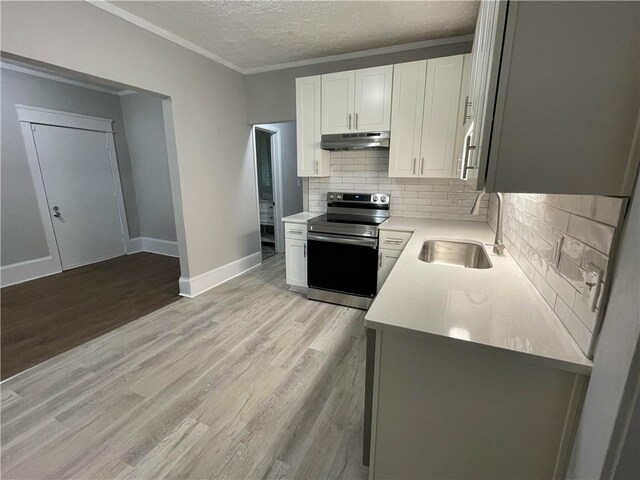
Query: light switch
column 453, row 200
column 557, row 249
column 592, row 282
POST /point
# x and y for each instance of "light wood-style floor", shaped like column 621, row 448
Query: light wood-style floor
column 248, row 380
column 45, row 317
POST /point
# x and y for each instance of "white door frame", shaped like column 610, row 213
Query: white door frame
column 276, row 171
column 30, row 117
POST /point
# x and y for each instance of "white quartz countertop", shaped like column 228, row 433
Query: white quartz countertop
column 302, row 217
column 495, row 308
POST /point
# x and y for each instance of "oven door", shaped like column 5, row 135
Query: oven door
column 342, row 263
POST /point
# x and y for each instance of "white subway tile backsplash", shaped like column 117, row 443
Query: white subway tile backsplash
column 607, row 210
column 592, row 233
column 367, row 172
column 578, row 330
column 547, row 292
column 588, row 224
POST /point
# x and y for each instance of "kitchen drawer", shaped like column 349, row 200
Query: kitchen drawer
column 295, row 231
column 394, row 240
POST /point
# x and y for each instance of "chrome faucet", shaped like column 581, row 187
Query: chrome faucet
column 498, row 245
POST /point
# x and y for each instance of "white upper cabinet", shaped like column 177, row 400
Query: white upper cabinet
column 554, row 98
column 312, row 160
column 373, row 99
column 426, row 117
column 440, row 119
column 406, row 118
column 357, row 100
column 338, row 101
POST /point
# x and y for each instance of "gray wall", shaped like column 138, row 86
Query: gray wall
column 144, row 129
column 271, row 96
column 21, row 227
column 616, row 371
column 291, row 184
column 210, row 130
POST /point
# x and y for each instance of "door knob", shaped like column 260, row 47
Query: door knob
column 56, row 211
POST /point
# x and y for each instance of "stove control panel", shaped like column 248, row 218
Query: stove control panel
column 374, row 199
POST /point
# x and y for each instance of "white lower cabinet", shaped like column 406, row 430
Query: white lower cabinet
column 386, row 261
column 296, row 261
column 392, row 244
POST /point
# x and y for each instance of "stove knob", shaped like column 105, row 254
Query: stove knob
column 331, row 196
column 339, row 196
column 374, row 198
column 383, row 198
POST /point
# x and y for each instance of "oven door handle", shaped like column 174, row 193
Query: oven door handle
column 365, row 242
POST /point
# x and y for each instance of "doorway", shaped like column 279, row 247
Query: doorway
column 266, row 152
column 278, row 187
column 75, row 174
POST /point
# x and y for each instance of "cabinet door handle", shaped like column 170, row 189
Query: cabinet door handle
column 422, row 166
column 305, row 250
column 380, row 260
column 316, row 166
column 349, row 117
column 465, row 158
column 414, row 166
column 356, row 120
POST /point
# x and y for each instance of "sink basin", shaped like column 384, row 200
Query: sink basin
column 459, row 254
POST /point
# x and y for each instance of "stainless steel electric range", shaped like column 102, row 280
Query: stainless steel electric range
column 342, row 249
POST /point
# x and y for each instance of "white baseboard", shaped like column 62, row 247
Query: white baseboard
column 29, row 270
column 152, row 245
column 193, row 286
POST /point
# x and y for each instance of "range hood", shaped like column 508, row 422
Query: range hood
column 356, row 141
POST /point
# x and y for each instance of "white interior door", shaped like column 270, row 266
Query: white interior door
column 79, row 184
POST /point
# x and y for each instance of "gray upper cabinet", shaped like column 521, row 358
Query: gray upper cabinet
column 554, row 98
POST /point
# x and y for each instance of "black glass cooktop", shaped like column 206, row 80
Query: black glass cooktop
column 348, row 218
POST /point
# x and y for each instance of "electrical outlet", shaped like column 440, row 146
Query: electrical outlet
column 453, row 200
column 592, row 282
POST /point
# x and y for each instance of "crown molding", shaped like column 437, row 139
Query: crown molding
column 55, row 78
column 403, row 47
column 161, row 32
column 150, row 27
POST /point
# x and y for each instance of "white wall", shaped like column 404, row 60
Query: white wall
column 23, row 237
column 271, row 96
column 144, row 127
column 212, row 138
column 616, row 372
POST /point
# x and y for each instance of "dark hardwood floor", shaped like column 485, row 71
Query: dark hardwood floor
column 45, row 317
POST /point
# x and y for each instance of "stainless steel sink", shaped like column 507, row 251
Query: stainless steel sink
column 459, row 254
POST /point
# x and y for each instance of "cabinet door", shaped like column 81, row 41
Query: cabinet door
column 406, row 118
column 440, row 118
column 485, row 59
column 296, row 262
column 312, row 160
column 373, row 99
column 386, row 261
column 338, row 91
column 463, row 118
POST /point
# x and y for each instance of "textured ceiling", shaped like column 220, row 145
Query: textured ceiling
column 254, row 34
